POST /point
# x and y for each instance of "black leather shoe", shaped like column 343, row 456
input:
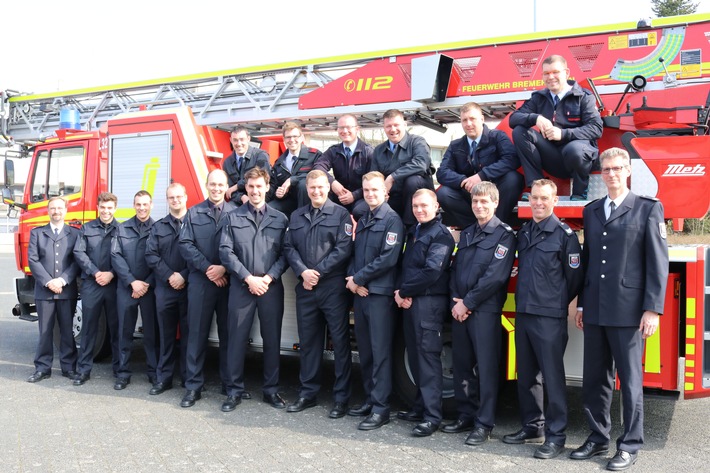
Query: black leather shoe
column 81, row 379
column 588, row 450
column 522, row 436
column 190, row 397
column 410, row 416
column 301, row 404
column 246, row 395
column 38, row 376
column 160, row 388
column 458, row 426
column 121, row 383
column 548, row 450
column 360, row 410
column 70, row 374
column 231, row 403
column 425, row 429
column 339, row 410
column 479, row 436
column 275, row 400
column 621, row 461
column 373, row 421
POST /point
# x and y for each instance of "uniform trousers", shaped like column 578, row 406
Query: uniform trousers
column 243, row 305
column 540, row 344
column 61, row 311
column 604, row 349
column 204, row 301
column 477, row 351
column 423, row 324
column 563, row 160
column 327, row 304
column 94, row 300
column 375, row 323
column 172, row 315
column 127, row 317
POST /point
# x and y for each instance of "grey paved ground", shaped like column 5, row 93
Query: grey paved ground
column 55, row 427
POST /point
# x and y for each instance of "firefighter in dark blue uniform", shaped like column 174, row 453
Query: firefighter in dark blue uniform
column 98, row 286
column 243, row 159
column 372, row 278
column 208, row 283
column 424, row 295
column 136, row 288
column 318, row 248
column 481, row 270
column 162, row 254
column 251, row 248
column 288, row 176
column 549, row 278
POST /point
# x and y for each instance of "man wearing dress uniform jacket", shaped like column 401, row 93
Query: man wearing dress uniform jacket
column 51, row 260
column 208, row 283
column 625, row 256
column 479, row 282
column 372, row 277
column 98, row 285
column 349, row 160
column 251, row 248
column 482, row 155
column 162, row 254
column 318, row 247
column 549, row 278
column 243, row 158
column 136, row 288
column 424, row 295
column 288, row 176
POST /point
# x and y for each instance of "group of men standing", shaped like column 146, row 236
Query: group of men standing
column 226, row 256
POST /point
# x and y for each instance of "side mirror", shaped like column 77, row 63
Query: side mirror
column 9, row 173
column 8, row 199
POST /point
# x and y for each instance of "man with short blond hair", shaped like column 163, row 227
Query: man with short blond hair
column 243, row 158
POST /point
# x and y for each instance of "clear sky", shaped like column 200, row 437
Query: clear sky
column 50, row 46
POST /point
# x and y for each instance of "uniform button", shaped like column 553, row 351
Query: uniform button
column 603, row 261
column 604, row 233
column 603, row 247
column 603, row 276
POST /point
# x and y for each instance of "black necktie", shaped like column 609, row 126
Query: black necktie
column 348, row 152
column 239, row 163
column 555, row 100
column 56, row 232
column 416, row 231
column 217, row 213
column 612, row 207
column 314, row 214
column 257, row 217
column 473, row 153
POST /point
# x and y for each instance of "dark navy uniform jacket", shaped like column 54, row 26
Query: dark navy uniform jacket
column 482, row 266
column 301, row 167
column 629, row 271
column 348, row 172
column 427, row 261
column 162, row 252
column 550, row 272
column 324, row 244
column 93, row 247
column 200, row 236
column 128, row 253
column 247, row 250
column 52, row 257
column 495, row 156
column 254, row 157
column 576, row 114
column 412, row 157
column 378, row 245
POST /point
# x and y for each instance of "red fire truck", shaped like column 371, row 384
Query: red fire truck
column 652, row 89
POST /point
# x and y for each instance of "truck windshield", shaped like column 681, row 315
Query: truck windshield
column 58, row 172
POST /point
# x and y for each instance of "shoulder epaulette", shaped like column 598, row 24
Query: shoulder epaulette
column 595, row 200
column 566, row 228
column 506, row 226
column 648, row 197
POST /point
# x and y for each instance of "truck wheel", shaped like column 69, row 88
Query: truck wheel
column 102, row 348
column 403, row 381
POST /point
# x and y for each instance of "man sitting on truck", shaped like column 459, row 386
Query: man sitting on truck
column 237, row 164
column 568, row 127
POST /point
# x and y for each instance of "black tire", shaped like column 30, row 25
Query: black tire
column 102, row 348
column 403, row 381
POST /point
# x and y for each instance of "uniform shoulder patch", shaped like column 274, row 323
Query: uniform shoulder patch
column 662, row 229
column 349, row 229
column 391, row 238
column 501, row 251
column 574, row 260
column 566, row 228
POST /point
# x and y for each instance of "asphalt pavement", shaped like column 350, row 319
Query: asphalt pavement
column 53, row 426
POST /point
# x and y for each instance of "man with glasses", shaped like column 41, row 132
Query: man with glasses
column 568, row 127
column 625, row 256
column 288, row 176
column 349, row 160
